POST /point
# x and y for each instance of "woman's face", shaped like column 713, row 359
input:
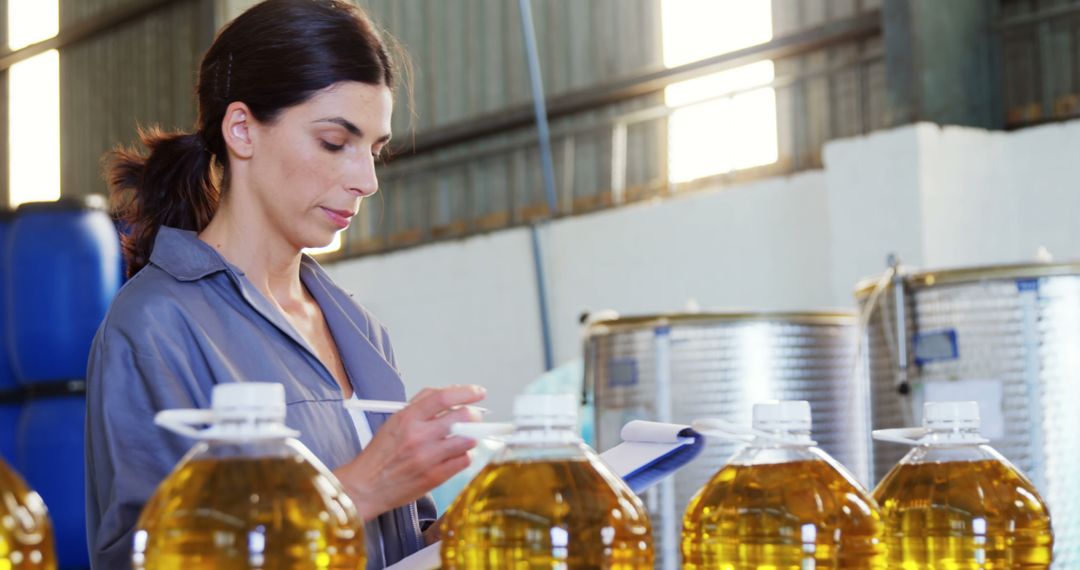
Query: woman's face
column 312, row 166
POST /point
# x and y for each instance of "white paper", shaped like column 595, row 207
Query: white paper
column 427, row 559
column 988, row 393
column 641, row 431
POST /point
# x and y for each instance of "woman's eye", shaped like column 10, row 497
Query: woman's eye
column 332, row 147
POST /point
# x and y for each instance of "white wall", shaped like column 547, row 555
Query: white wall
column 998, row 197
column 873, row 203
column 459, row 312
column 952, row 196
column 755, row 246
column 466, row 311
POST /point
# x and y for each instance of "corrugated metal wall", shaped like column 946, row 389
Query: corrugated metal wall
column 469, row 61
column 141, row 73
column 1040, row 41
column 839, row 97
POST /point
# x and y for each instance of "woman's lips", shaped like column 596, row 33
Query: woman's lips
column 340, row 218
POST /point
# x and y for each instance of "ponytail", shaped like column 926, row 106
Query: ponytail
column 171, row 185
column 277, row 54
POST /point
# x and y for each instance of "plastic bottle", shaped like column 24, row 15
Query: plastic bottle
column 780, row 503
column 247, row 496
column 26, row 535
column 546, row 501
column 954, row 503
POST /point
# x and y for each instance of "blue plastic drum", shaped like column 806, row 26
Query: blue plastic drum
column 9, row 425
column 7, row 376
column 10, row 389
column 50, row 458
column 64, row 261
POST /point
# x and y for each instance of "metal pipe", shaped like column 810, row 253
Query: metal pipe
column 540, row 116
column 541, row 293
column 539, row 105
column 900, row 308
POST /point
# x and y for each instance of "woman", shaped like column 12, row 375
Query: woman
column 294, row 107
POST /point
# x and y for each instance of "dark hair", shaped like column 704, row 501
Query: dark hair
column 275, row 55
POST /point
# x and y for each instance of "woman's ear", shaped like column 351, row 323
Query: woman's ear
column 236, row 128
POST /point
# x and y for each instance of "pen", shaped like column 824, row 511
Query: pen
column 389, row 406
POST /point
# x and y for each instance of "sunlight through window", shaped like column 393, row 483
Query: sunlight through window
column 33, row 105
column 32, row 21
column 709, row 135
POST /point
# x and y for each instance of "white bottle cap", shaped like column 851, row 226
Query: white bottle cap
column 782, row 415
column 540, row 410
column 951, row 415
column 249, row 401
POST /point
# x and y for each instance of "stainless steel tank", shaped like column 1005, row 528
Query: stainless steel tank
column 1007, row 336
column 678, row 368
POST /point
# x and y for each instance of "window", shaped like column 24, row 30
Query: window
column 723, row 121
column 33, row 105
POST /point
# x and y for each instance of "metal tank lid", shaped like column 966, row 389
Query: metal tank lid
column 611, row 322
column 930, row 278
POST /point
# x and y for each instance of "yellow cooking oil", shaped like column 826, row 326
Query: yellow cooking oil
column 785, row 516
column 964, row 515
column 537, row 514
column 26, row 535
column 954, row 503
column 546, row 501
column 239, row 513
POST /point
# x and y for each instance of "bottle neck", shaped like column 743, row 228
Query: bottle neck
column 936, row 437
column 244, row 448
column 532, row 442
column 781, row 438
column 544, row 434
column 760, row 452
column 250, row 421
column 249, row 430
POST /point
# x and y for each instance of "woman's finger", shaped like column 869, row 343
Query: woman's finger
column 426, row 406
column 443, row 423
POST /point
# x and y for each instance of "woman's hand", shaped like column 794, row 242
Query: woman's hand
column 412, row 452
